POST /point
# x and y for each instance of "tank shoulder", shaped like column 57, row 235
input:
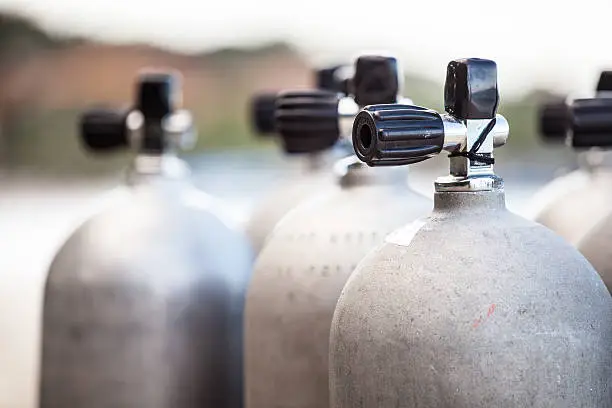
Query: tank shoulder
column 526, row 246
column 146, row 227
column 365, row 207
column 516, row 285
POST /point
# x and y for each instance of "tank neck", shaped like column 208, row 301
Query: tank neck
column 594, row 159
column 313, row 162
column 351, row 172
column 147, row 167
column 469, row 201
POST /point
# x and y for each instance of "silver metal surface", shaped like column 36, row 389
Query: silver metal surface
column 143, row 305
column 504, row 314
column 347, row 110
column 179, row 127
column 300, row 272
column 572, row 205
column 314, row 180
column 455, row 133
column 465, row 184
column 460, row 136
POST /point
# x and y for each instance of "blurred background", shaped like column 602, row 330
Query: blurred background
column 59, row 57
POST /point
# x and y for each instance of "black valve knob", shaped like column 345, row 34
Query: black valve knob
column 263, row 107
column 591, row 122
column 391, row 135
column 156, row 94
column 470, row 91
column 554, row 121
column 328, row 79
column 376, row 80
column 104, row 130
column 307, row 121
column 605, row 81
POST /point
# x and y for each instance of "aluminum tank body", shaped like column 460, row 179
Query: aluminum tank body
column 298, row 277
column 472, row 307
column 280, row 202
column 575, row 203
column 143, row 307
column 596, row 246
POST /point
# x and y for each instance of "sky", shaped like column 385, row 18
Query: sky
column 559, row 45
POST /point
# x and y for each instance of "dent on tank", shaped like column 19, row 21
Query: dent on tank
column 143, row 304
column 472, row 306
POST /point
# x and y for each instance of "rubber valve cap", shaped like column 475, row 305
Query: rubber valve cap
column 327, row 79
column 376, row 80
column 554, row 121
column 156, row 94
column 470, row 91
column 391, row 135
column 592, row 123
column 263, row 106
column 307, row 121
column 104, row 129
column 605, row 82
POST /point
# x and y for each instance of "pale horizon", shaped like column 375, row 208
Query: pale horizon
column 536, row 45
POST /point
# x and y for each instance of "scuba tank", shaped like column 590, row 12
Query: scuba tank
column 472, row 306
column 309, row 255
column 314, row 176
column 143, row 304
column 574, row 203
column 591, row 126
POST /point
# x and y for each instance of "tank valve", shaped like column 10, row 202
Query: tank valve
column 103, row 129
column 334, row 78
column 398, row 134
column 307, row 120
column 591, row 122
column 262, row 113
column 314, row 120
column 554, row 117
column 262, row 105
column 153, row 124
column 377, row 80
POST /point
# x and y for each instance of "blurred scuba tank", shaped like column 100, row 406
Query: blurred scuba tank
column 472, row 306
column 307, row 258
column 143, row 304
column 591, row 126
column 574, row 203
column 314, row 175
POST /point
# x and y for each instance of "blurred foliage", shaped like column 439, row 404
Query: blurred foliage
column 42, row 135
column 20, row 37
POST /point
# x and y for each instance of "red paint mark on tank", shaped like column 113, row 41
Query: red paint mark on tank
column 491, row 310
column 481, row 319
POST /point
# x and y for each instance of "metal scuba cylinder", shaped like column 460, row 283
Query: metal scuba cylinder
column 472, row 306
column 143, row 304
column 309, row 255
column 574, row 203
column 316, row 162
